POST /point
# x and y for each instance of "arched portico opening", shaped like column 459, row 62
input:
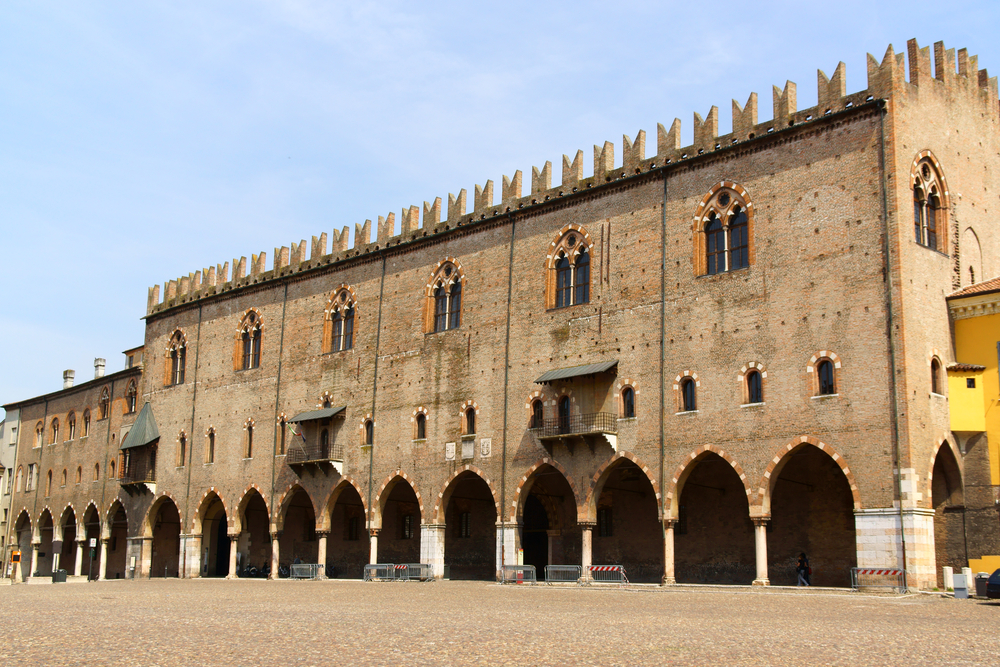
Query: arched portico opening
column 347, row 543
column 91, row 567
column 713, row 536
column 628, row 531
column 812, row 512
column 46, row 531
column 948, row 500
column 165, row 527
column 214, row 537
column 470, row 516
column 254, row 543
column 399, row 539
column 298, row 535
column 67, row 547
column 117, row 532
column 23, row 532
column 549, row 531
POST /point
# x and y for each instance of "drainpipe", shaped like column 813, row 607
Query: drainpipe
column 190, row 447
column 506, row 377
column 663, row 351
column 378, row 339
column 277, row 407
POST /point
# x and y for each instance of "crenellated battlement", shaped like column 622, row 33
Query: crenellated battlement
column 956, row 72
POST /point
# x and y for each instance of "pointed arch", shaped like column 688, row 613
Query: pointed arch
column 339, row 319
column 204, row 503
column 149, row 520
column 596, row 483
column 727, row 213
column 236, row 521
column 281, row 509
column 949, row 445
column 386, row 490
column 680, row 475
column 108, row 518
column 762, row 498
column 443, row 296
column 524, row 487
column 441, row 502
column 323, row 520
column 63, row 516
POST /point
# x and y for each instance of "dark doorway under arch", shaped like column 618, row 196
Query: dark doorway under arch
column 399, row 539
column 628, row 531
column 550, row 534
column 347, row 548
column 948, row 499
column 166, row 544
column 470, row 529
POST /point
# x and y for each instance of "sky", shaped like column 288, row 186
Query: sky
column 143, row 141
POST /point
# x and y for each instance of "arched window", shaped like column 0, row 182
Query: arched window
column 130, row 397
column 324, row 444
column 48, row 483
column 79, row 474
column 628, row 403
column 369, row 432
column 570, row 268
column 249, row 341
column 248, row 452
column 86, row 423
column 71, row 426
column 97, row 471
column 104, row 404
column 445, row 298
column 340, row 320
column 688, row 395
column 39, row 434
column 537, row 414
column 111, row 470
column 929, row 192
column 564, row 414
column 176, row 358
column 210, row 447
column 470, row 421
column 282, row 427
column 20, row 476
column 725, row 220
column 55, row 432
column 825, row 375
column 755, row 387
column 181, row 449
column 935, row 376
column 421, row 426
column 62, row 480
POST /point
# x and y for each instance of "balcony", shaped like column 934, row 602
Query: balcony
column 301, row 453
column 138, row 470
column 590, row 428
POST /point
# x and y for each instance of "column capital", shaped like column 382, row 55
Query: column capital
column 669, row 522
column 373, row 532
column 276, row 534
column 587, row 525
column 323, row 533
column 759, row 521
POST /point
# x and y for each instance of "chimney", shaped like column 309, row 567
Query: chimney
column 68, row 376
column 98, row 368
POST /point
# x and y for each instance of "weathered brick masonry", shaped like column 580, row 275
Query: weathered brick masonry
column 833, row 305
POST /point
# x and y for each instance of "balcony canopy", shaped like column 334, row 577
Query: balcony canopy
column 316, row 415
column 143, row 431
column 576, row 371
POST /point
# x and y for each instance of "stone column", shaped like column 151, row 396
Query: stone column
column 321, row 536
column 586, row 547
column 275, row 553
column 432, row 547
column 56, row 556
column 668, row 552
column 508, row 534
column 373, row 545
column 234, row 549
column 102, row 569
column 191, row 553
column 78, row 566
column 760, row 541
column 34, row 558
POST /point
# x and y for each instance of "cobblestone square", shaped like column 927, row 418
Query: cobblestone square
column 217, row 622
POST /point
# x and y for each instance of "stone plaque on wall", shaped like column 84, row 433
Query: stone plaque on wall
column 468, row 449
column 449, row 451
column 486, row 446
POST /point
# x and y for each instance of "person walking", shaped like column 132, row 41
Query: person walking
column 803, row 570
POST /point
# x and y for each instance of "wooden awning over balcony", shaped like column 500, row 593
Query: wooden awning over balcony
column 577, row 371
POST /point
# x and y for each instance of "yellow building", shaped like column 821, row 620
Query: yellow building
column 973, row 395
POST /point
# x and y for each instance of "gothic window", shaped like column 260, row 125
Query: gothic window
column 176, row 358
column 210, row 446
column 929, row 193
column 725, row 223
column 130, row 397
column 564, row 414
column 181, row 450
column 340, row 320
column 936, row 376
column 536, row 414
column 104, row 405
column 97, row 472
column 421, row 433
column 570, row 269
column 470, row 421
column 248, row 448
column 369, row 432
column 62, row 479
column 111, row 470
column 55, row 432
column 826, row 377
column 249, row 341
column 48, row 483
column 445, row 298
column 39, row 434
column 71, row 426
column 628, row 403
column 79, row 474
column 20, row 476
column 282, row 426
column 688, row 396
column 86, row 423
column 755, row 387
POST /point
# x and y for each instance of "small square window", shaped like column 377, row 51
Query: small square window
column 970, row 383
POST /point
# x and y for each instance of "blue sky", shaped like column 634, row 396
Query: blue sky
column 142, row 141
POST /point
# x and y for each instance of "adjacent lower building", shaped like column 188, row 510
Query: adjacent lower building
column 697, row 365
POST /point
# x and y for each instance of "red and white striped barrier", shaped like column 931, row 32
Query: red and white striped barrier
column 882, row 571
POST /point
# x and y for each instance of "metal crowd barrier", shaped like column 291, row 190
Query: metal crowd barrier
column 878, row 577
column 608, row 574
column 380, row 572
column 414, row 572
column 305, row 570
column 566, row 574
column 518, row 574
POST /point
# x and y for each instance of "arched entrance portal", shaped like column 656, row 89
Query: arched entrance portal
column 713, row 537
column 812, row 511
column 214, row 537
column 628, row 531
column 549, row 532
column 347, row 545
column 470, row 528
column 298, row 537
column 92, row 531
column 67, row 548
column 399, row 539
column 117, row 542
column 166, row 532
column 45, row 532
column 254, row 544
column 23, row 530
column 948, row 499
